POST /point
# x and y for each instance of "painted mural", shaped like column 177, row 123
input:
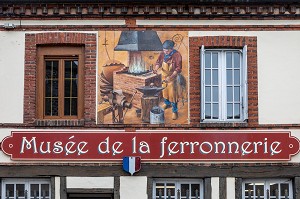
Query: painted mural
column 143, row 77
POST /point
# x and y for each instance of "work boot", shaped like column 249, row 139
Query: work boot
column 165, row 106
column 175, row 116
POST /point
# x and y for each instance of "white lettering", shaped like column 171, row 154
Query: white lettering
column 146, row 147
column 230, row 147
column 245, row 148
column 28, row 144
column 208, row 144
column 171, row 148
column 115, row 148
column 274, row 148
column 106, row 146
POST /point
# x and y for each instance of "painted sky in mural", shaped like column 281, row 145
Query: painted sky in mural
column 143, row 77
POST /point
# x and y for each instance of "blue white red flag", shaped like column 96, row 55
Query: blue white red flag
column 131, row 164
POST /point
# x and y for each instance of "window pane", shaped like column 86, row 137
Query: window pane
column 20, row 190
column 45, row 190
column 215, row 111
column 237, row 77
column 207, row 94
column 67, row 106
column 274, row 189
column 67, row 87
column 10, row 190
column 236, row 93
column 237, row 111
column 51, row 81
column 34, row 190
column 171, row 189
column 207, row 60
column 195, row 190
column 51, row 106
column 74, row 69
column 48, row 106
column 74, row 88
column 52, row 69
column 48, row 88
column 68, row 69
column 74, row 106
column 229, row 77
column 248, row 190
column 215, row 94
column 54, row 92
column 159, row 189
column 284, row 189
column 48, row 69
column 229, row 94
column 259, row 188
column 207, row 77
column 228, row 60
column 54, row 108
column 229, row 111
column 70, row 106
column 215, row 60
column 215, row 78
column 236, row 57
column 185, row 192
column 207, row 111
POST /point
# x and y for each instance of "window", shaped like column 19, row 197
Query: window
column 60, row 83
column 224, row 85
column 178, row 189
column 26, row 189
column 268, row 189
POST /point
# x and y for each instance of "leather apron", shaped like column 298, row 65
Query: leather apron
column 170, row 92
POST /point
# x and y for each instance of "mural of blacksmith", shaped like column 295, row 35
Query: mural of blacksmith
column 143, row 77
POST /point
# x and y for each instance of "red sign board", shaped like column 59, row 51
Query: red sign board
column 151, row 145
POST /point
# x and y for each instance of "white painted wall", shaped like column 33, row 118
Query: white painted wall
column 133, row 187
column 278, row 73
column 12, row 50
column 230, row 188
column 215, row 184
column 90, row 182
column 278, row 70
column 63, row 22
column 57, row 187
column 215, row 22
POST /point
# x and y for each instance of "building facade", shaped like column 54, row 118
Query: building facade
column 150, row 100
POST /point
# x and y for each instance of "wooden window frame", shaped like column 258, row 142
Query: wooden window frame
column 59, row 52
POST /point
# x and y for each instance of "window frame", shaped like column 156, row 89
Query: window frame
column 178, row 183
column 60, row 53
column 27, row 182
column 267, row 183
column 222, row 105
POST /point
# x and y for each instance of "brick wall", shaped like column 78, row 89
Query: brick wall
column 30, row 90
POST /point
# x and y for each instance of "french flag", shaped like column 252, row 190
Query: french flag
column 131, row 164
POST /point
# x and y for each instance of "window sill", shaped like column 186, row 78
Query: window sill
column 59, row 123
column 223, row 124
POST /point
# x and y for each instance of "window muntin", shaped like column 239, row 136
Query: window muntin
column 267, row 189
column 26, row 188
column 178, row 189
column 60, row 82
column 224, row 85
